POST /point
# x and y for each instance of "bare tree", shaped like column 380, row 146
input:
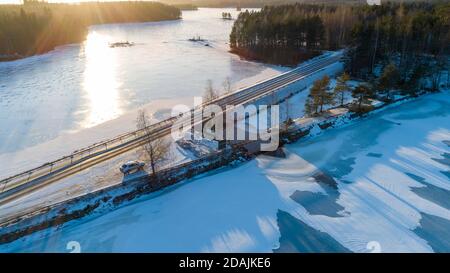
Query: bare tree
column 210, row 94
column 155, row 148
column 227, row 89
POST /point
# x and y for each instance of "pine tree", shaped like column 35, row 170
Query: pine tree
column 389, row 79
column 319, row 96
column 310, row 106
column 320, row 91
column 362, row 92
column 414, row 83
column 342, row 87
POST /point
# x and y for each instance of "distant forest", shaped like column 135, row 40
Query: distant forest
column 262, row 3
column 402, row 31
column 37, row 27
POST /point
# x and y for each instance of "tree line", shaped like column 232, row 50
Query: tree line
column 37, row 27
column 382, row 87
column 415, row 37
column 374, row 33
column 262, row 3
column 276, row 33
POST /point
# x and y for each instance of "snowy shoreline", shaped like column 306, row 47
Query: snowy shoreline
column 69, row 142
column 79, row 86
column 340, row 119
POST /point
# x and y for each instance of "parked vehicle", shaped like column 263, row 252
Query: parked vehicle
column 132, row 166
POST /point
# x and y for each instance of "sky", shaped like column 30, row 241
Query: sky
column 60, row 1
column 20, row 1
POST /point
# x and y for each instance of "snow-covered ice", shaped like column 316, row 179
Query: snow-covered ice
column 106, row 174
column 383, row 178
column 76, row 95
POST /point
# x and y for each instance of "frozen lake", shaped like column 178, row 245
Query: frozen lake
column 381, row 184
column 80, row 86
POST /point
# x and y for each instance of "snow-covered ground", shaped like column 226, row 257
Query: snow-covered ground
column 76, row 95
column 383, row 181
column 68, row 142
column 107, row 173
column 104, row 174
column 294, row 107
column 100, row 176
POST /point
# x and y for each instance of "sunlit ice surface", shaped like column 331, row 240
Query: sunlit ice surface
column 77, row 86
column 100, row 80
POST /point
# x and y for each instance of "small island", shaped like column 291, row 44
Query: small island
column 121, row 44
column 196, row 39
column 226, row 16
